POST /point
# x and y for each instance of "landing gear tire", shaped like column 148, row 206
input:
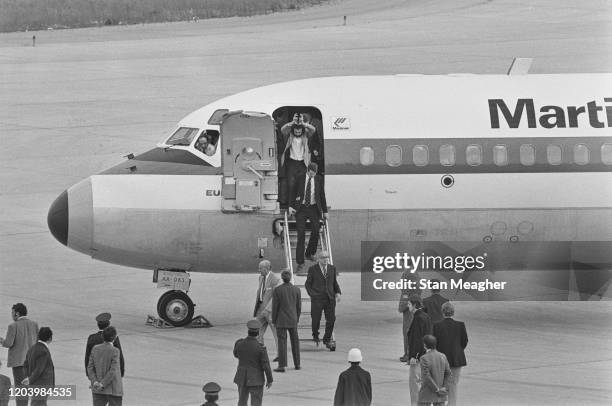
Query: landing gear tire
column 160, row 310
column 175, row 307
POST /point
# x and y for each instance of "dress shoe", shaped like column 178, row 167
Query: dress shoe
column 404, row 358
column 275, row 359
column 301, row 270
column 280, row 369
column 298, row 368
column 311, row 258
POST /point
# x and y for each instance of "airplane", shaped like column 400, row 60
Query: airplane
column 407, row 157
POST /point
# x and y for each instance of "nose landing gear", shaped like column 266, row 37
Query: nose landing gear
column 175, row 307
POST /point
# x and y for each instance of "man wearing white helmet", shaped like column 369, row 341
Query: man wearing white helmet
column 355, row 384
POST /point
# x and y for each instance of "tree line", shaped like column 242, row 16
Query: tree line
column 22, row 15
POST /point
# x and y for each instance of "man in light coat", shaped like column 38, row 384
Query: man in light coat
column 268, row 281
column 20, row 336
column 104, row 371
column 435, row 374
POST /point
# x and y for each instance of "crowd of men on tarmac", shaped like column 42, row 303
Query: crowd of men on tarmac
column 32, row 364
column 434, row 343
column 434, row 346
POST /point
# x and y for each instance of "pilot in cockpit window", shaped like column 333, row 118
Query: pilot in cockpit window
column 205, row 144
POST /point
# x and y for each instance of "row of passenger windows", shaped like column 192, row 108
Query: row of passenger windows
column 474, row 155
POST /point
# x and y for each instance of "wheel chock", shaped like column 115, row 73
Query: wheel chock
column 157, row 322
column 199, row 322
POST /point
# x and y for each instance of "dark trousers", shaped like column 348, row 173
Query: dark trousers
column 312, row 213
column 407, row 317
column 100, row 399
column 256, row 393
column 282, row 346
column 294, row 169
column 39, row 401
column 19, row 374
column 317, row 306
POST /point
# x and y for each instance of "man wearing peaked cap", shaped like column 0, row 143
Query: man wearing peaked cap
column 103, row 320
column 355, row 384
column 253, row 363
column 211, row 389
column 254, row 325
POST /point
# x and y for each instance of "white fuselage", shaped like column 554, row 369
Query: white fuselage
column 167, row 211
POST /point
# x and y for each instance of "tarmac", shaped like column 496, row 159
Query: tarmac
column 82, row 99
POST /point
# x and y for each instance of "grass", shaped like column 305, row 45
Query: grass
column 23, row 15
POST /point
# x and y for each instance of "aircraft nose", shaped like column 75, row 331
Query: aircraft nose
column 57, row 219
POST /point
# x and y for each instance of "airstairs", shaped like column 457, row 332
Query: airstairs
column 289, row 233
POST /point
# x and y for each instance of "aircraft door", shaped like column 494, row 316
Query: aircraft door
column 250, row 177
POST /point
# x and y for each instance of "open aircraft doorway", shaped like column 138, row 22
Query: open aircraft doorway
column 310, row 115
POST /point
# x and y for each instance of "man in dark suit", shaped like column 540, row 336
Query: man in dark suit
column 103, row 320
column 419, row 328
column 286, row 310
column 253, row 363
column 20, row 336
column 355, row 384
column 39, row 365
column 104, row 372
column 435, row 374
column 308, row 202
column 402, row 307
column 324, row 291
column 433, row 304
column 452, row 340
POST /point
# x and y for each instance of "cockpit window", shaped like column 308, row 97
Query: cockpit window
column 207, row 142
column 217, row 116
column 182, row 136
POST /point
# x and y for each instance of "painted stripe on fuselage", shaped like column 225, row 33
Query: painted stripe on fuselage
column 343, row 157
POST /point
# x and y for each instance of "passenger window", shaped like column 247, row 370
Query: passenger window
column 581, row 154
column 447, row 155
column 217, row 116
column 366, row 156
column 182, row 136
column 473, row 155
column 420, row 155
column 554, row 154
column 500, row 155
column 606, row 154
column 527, row 153
column 393, row 155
